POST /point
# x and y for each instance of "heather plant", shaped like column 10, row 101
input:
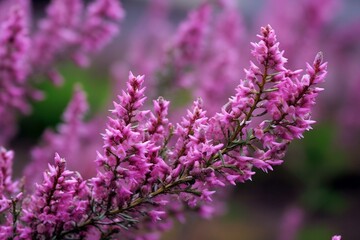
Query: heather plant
column 149, row 171
column 149, row 168
column 218, row 57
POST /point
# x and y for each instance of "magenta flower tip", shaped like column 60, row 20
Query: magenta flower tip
column 336, row 237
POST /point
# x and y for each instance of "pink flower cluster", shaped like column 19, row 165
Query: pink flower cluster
column 7, row 186
column 150, row 170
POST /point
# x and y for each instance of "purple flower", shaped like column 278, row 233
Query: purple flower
column 124, row 150
column 57, row 205
column 10, row 195
column 8, row 187
column 159, row 123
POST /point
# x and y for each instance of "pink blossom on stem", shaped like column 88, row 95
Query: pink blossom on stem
column 58, row 203
column 7, row 186
column 10, row 195
column 158, row 122
column 124, row 152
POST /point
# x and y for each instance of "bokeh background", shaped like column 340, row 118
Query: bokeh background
column 316, row 192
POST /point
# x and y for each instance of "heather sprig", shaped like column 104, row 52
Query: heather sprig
column 57, row 205
column 208, row 152
column 11, row 196
column 8, row 187
column 149, row 169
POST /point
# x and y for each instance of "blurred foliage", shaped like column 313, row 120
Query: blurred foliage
column 315, row 232
column 322, row 157
column 319, row 160
column 47, row 113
